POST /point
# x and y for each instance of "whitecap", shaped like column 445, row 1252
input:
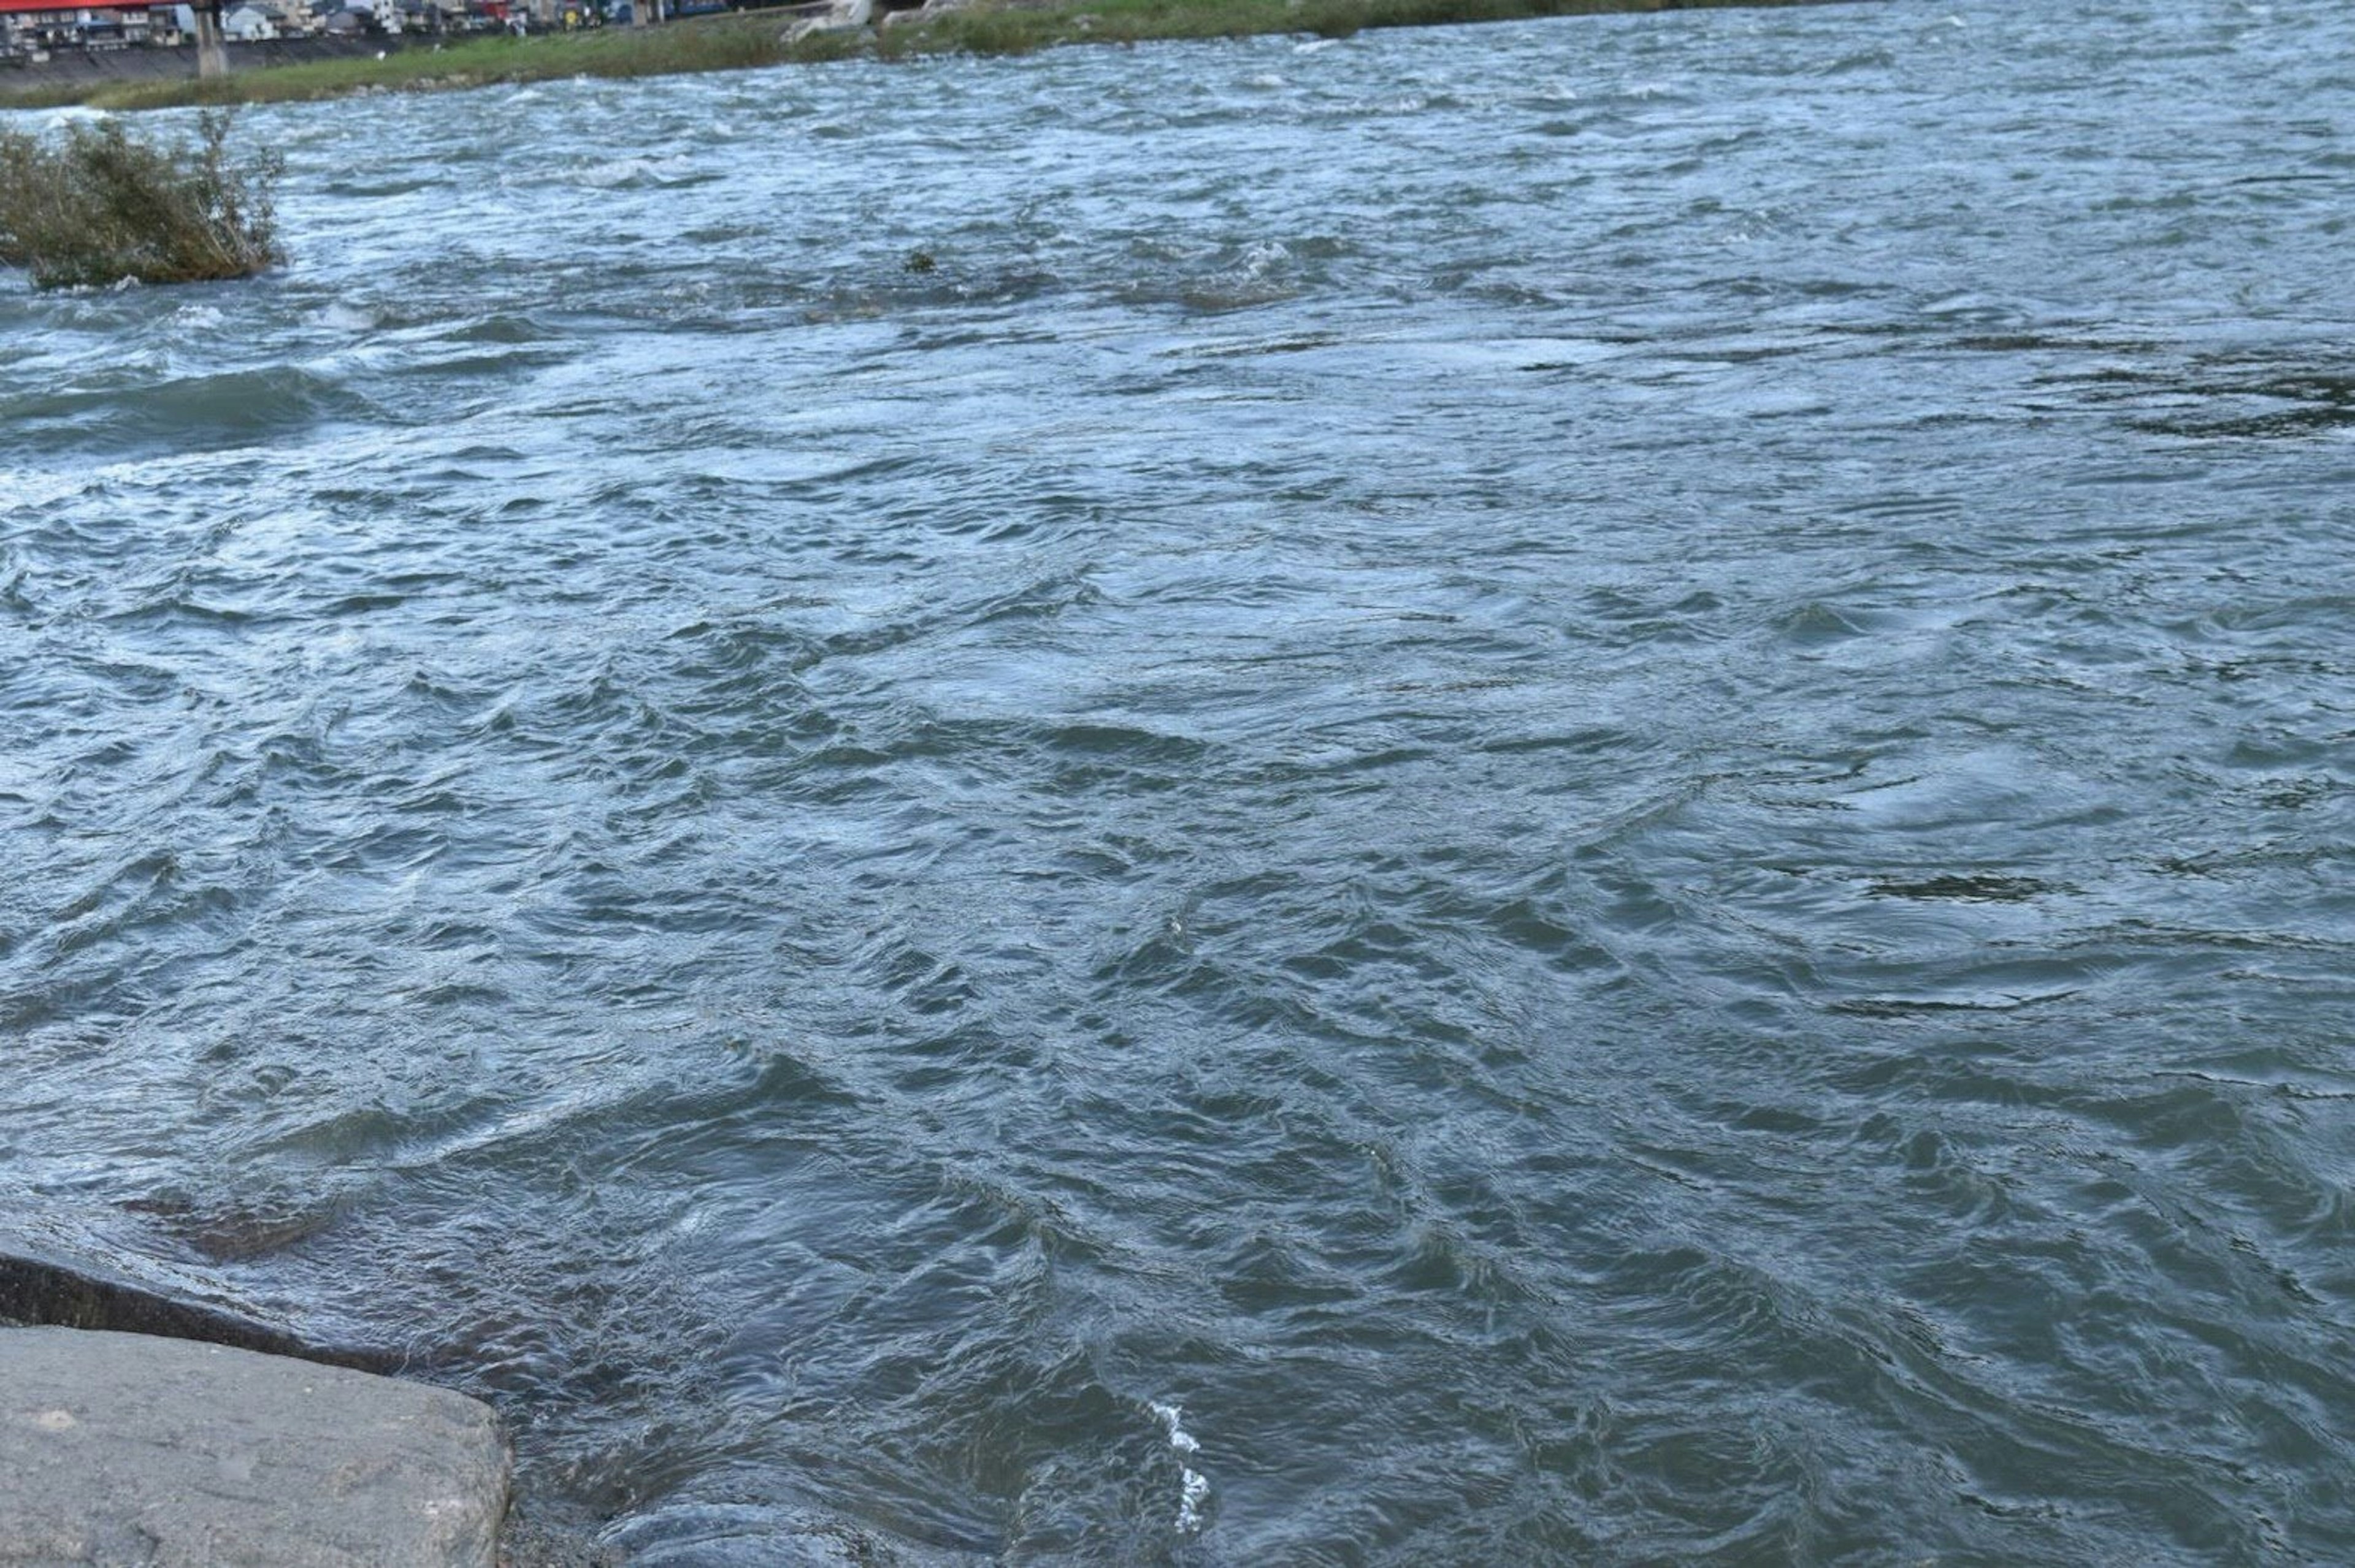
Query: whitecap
column 1258, row 258
column 1193, row 1487
column 619, row 172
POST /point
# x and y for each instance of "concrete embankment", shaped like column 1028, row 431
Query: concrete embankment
column 74, row 67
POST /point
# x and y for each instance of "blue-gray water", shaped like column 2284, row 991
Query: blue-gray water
column 1592, row 780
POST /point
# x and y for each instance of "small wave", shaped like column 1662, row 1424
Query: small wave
column 641, row 174
column 231, row 408
column 344, row 317
column 363, row 187
column 1861, row 60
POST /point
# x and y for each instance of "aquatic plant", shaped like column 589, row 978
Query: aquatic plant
column 96, row 205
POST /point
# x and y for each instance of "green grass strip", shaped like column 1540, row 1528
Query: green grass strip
column 746, row 39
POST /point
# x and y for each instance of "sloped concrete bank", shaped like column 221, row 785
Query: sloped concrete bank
column 178, row 63
column 119, row 1449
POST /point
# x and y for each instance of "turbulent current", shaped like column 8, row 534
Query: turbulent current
column 1557, row 794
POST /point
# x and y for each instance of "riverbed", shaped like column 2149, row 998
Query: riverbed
column 1562, row 793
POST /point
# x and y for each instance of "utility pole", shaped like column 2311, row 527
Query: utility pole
column 212, row 54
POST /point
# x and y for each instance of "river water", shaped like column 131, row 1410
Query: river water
column 1575, row 792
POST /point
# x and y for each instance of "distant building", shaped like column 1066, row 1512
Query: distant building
column 432, row 16
column 292, row 18
column 28, row 27
column 356, row 17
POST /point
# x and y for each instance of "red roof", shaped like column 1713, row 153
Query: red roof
column 18, row 7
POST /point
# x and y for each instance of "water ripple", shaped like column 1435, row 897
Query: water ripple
column 1580, row 786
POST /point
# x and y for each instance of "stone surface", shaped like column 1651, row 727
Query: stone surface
column 119, row 1450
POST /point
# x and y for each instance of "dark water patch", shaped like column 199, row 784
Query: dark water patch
column 226, row 410
column 2226, row 396
column 45, row 1282
column 1967, row 888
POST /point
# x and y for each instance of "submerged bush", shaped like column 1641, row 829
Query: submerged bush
column 98, row 206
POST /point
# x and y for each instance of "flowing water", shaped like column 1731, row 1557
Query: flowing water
column 1575, row 792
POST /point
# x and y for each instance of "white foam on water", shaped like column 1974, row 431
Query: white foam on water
column 1193, row 1487
column 37, row 490
column 636, row 171
column 1261, row 256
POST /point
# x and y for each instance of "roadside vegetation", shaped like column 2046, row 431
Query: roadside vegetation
column 746, row 39
column 95, row 205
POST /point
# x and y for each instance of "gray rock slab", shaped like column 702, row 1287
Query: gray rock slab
column 135, row 1451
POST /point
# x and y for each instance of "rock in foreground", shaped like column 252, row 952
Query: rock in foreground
column 128, row 1448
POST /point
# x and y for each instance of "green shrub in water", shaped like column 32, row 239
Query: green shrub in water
column 98, row 205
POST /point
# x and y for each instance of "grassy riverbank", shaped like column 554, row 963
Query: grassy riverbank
column 745, row 39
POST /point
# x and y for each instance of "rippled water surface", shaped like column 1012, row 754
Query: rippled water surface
column 1558, row 794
